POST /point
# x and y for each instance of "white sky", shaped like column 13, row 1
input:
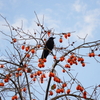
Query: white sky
column 82, row 16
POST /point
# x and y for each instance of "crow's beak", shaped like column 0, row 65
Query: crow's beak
column 54, row 37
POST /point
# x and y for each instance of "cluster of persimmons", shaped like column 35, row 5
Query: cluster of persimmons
column 39, row 74
column 73, row 59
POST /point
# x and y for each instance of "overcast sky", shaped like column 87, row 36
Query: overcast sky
column 81, row 16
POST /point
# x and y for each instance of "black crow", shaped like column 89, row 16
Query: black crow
column 48, row 47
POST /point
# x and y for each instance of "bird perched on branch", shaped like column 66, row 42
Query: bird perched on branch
column 48, row 47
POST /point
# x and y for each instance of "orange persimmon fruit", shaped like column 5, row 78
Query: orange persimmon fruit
column 24, row 89
column 27, row 55
column 48, row 32
column 27, row 48
column 6, row 80
column 63, row 70
column 67, row 66
column 34, row 79
column 19, row 69
column 50, row 93
column 62, row 58
column 1, row 66
column 32, row 51
column 54, row 57
column 22, row 47
column 57, row 90
column 68, row 91
column 65, row 35
column 83, row 64
column 14, row 40
column 51, row 74
column 68, row 34
column 60, row 40
column 64, row 85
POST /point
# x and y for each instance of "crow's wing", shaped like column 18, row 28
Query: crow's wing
column 49, row 44
column 48, row 47
column 45, row 53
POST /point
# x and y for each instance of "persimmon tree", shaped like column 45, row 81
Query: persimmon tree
column 25, row 76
